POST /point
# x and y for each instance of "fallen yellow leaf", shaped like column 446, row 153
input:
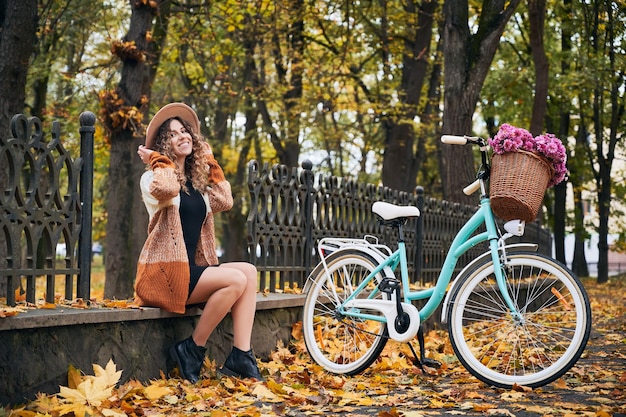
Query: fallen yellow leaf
column 263, row 393
column 154, row 391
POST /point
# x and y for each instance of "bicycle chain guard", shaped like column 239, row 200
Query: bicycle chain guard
column 388, row 309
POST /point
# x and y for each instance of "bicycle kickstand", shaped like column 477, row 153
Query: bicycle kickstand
column 432, row 363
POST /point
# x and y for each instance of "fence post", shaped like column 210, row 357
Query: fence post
column 419, row 234
column 308, row 182
column 87, row 129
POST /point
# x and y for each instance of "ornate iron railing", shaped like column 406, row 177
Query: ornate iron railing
column 291, row 209
column 45, row 204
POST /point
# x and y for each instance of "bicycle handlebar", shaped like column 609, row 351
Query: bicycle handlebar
column 460, row 140
column 472, row 188
column 453, row 140
column 473, row 140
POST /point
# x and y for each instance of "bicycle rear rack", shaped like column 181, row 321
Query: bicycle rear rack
column 328, row 245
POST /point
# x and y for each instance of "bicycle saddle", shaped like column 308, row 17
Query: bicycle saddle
column 390, row 211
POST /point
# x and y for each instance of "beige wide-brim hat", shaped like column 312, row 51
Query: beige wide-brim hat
column 167, row 112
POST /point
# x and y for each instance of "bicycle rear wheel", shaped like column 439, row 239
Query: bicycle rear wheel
column 533, row 349
column 340, row 343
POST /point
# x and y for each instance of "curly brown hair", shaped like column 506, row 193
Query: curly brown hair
column 196, row 168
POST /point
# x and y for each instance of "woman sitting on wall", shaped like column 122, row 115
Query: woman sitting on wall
column 178, row 266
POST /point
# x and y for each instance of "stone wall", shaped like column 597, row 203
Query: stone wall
column 37, row 347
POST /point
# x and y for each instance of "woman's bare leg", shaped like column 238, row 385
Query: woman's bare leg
column 230, row 287
column 244, row 309
column 221, row 288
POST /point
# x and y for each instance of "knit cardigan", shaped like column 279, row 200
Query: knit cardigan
column 163, row 268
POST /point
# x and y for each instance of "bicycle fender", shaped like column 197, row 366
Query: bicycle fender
column 515, row 247
column 377, row 255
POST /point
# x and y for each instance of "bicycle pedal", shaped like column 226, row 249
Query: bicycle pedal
column 389, row 285
column 431, row 363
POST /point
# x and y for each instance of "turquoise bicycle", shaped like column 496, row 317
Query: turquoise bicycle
column 514, row 316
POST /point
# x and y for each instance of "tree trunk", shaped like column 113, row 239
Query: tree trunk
column 604, row 211
column 430, row 126
column 560, row 191
column 537, row 12
column 467, row 58
column 293, row 96
column 118, row 262
column 401, row 160
column 18, row 24
column 40, row 95
column 235, row 248
column 607, row 101
column 140, row 52
column 559, row 217
column 579, row 259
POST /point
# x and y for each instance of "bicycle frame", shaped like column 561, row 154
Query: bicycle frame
column 463, row 241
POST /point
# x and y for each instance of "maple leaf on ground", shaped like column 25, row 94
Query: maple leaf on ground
column 155, row 391
column 282, row 355
column 86, row 394
column 90, row 392
column 76, row 409
column 44, row 404
column 74, row 377
column 109, row 375
column 263, row 393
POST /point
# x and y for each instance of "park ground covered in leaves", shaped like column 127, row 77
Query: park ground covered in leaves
column 393, row 386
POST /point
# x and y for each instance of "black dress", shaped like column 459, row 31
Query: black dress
column 192, row 213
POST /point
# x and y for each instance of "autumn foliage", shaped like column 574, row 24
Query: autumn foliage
column 393, row 386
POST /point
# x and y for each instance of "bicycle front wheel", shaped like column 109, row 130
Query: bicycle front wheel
column 339, row 342
column 532, row 348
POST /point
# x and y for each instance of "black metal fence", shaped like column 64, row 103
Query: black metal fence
column 45, row 203
column 291, row 209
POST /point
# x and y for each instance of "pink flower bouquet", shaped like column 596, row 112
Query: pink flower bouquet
column 512, row 139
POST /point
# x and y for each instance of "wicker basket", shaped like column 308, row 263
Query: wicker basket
column 518, row 183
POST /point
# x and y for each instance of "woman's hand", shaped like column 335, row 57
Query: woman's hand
column 144, row 153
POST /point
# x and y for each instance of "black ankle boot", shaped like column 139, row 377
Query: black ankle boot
column 241, row 364
column 189, row 357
